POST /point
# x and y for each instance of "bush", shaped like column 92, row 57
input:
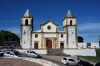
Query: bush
column 98, row 52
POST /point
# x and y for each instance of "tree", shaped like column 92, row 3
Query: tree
column 8, row 36
column 80, row 39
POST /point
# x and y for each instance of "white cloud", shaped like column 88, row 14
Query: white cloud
column 89, row 26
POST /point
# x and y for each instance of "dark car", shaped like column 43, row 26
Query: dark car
column 97, row 64
column 1, row 53
column 84, row 63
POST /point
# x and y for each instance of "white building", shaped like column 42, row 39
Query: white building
column 48, row 36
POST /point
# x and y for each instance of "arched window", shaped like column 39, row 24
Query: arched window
column 61, row 35
column 26, row 22
column 70, row 22
column 36, row 35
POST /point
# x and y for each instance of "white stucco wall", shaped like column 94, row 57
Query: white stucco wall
column 73, row 21
column 94, row 45
column 41, row 51
column 53, row 27
column 38, row 39
column 49, row 35
column 82, row 52
column 71, row 37
column 82, row 45
column 26, row 37
column 62, row 40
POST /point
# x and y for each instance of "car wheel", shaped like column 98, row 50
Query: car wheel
column 67, row 64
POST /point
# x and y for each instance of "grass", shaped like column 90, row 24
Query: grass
column 91, row 58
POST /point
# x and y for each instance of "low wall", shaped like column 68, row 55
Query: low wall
column 41, row 51
column 82, row 52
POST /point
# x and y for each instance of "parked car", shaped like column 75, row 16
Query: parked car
column 68, row 61
column 97, row 64
column 84, row 63
column 1, row 54
column 12, row 54
column 32, row 54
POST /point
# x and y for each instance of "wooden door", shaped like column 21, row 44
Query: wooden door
column 36, row 46
column 49, row 44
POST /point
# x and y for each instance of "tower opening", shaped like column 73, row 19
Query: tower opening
column 26, row 22
column 70, row 22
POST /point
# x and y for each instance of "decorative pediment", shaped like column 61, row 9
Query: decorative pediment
column 49, row 26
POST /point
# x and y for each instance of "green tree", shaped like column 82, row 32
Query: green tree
column 80, row 39
column 8, row 36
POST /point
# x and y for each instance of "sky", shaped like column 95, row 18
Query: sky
column 86, row 11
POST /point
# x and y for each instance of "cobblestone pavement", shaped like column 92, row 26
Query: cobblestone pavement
column 16, row 62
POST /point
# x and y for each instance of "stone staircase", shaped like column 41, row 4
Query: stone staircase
column 56, row 52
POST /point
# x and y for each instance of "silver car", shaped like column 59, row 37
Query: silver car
column 68, row 61
column 12, row 54
column 32, row 54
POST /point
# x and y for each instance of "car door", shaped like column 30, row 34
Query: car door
column 31, row 54
column 12, row 54
column 71, row 61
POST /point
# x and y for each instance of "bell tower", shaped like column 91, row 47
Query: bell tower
column 70, row 27
column 26, row 30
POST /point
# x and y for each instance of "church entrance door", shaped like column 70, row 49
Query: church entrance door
column 36, row 46
column 48, row 44
column 61, row 45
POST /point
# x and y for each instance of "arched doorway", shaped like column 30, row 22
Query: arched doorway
column 48, row 44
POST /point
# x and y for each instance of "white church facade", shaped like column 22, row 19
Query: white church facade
column 48, row 37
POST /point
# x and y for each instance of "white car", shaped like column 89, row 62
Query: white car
column 12, row 54
column 68, row 61
column 32, row 54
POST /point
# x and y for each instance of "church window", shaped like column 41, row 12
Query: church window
column 61, row 35
column 70, row 22
column 36, row 35
column 49, row 27
column 26, row 22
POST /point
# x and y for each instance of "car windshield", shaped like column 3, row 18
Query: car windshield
column 34, row 52
column 65, row 58
column 70, row 59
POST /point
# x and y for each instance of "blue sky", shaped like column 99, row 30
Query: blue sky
column 87, row 12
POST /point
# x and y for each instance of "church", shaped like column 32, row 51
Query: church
column 48, row 37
